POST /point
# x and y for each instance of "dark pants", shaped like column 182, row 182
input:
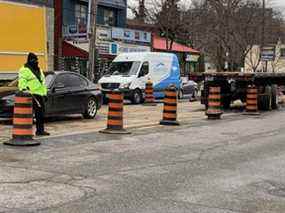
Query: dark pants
column 39, row 112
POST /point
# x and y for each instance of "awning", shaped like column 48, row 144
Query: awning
column 160, row 44
column 68, row 49
column 111, row 3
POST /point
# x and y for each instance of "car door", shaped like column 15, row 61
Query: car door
column 143, row 75
column 77, row 96
column 60, row 92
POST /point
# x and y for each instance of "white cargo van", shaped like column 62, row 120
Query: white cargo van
column 129, row 72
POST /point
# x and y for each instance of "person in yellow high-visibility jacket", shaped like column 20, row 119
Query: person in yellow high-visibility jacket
column 32, row 80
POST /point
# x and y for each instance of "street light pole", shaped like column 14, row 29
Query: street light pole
column 263, row 32
column 92, row 41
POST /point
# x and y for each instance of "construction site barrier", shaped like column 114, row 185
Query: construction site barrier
column 170, row 107
column 22, row 132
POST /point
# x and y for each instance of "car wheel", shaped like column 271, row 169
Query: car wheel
column 91, row 108
column 137, row 97
column 180, row 94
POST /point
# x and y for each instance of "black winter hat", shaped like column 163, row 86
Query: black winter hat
column 32, row 57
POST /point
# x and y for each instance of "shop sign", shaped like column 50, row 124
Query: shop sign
column 131, row 35
column 103, row 47
column 192, row 58
column 75, row 31
column 117, row 48
column 267, row 54
column 103, row 33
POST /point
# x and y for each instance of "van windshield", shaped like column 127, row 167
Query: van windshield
column 124, row 68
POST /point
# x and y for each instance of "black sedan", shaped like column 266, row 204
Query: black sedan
column 68, row 93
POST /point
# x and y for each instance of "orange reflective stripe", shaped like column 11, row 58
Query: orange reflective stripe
column 166, row 100
column 116, row 105
column 171, row 94
column 115, row 122
column 23, row 99
column 213, row 111
column 170, row 108
column 115, row 96
column 113, row 113
column 22, row 131
column 215, row 89
column 22, row 121
column 19, row 110
column 214, row 96
column 214, row 104
column 251, row 96
column 169, row 115
column 254, row 102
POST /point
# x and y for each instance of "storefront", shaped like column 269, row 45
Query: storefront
column 110, row 41
column 188, row 57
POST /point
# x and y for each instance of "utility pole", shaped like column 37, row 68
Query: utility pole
column 263, row 32
column 92, row 41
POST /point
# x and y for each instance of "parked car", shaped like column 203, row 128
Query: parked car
column 68, row 93
column 188, row 87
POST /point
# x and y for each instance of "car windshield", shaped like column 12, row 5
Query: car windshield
column 124, row 68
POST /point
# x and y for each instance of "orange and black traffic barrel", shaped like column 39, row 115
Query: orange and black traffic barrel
column 115, row 113
column 22, row 133
column 251, row 101
column 170, row 107
column 214, row 103
column 149, row 96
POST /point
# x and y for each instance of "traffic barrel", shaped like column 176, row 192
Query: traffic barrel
column 115, row 113
column 149, row 96
column 170, row 107
column 22, row 132
column 251, row 101
column 214, row 103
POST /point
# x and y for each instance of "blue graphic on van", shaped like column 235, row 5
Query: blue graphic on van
column 174, row 78
column 160, row 65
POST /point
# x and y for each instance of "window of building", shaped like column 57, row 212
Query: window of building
column 81, row 15
column 109, row 17
column 282, row 52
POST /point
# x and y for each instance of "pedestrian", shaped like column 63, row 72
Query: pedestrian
column 32, row 81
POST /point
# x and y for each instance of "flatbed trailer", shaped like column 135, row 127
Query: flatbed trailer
column 234, row 85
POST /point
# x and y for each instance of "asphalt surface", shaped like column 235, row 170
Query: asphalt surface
column 234, row 165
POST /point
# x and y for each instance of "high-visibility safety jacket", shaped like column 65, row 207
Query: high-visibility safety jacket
column 28, row 81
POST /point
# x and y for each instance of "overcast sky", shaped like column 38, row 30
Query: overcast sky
column 278, row 4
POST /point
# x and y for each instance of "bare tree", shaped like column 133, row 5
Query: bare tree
column 139, row 12
column 227, row 29
column 166, row 15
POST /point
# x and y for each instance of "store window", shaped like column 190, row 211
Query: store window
column 109, row 17
column 81, row 14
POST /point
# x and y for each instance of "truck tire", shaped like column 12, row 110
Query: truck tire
column 274, row 99
column 264, row 100
column 137, row 97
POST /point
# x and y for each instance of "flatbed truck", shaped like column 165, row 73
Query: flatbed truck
column 234, row 86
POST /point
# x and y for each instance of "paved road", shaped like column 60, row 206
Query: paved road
column 235, row 165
